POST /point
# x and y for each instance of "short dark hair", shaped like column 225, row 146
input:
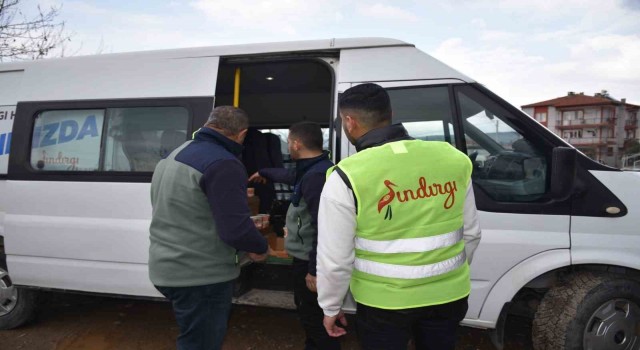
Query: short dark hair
column 369, row 103
column 230, row 120
column 309, row 133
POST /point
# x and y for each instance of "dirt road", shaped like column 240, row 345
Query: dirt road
column 70, row 322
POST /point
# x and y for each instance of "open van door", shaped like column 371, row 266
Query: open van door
column 512, row 167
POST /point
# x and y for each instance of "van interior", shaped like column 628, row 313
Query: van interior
column 275, row 95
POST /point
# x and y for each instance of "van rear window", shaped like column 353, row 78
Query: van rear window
column 111, row 139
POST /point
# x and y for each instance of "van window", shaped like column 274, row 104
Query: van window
column 425, row 112
column 134, row 141
column 67, row 140
column 137, row 138
column 506, row 164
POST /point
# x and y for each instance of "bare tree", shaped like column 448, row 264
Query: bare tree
column 30, row 38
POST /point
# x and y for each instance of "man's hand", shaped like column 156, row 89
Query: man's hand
column 261, row 257
column 257, row 178
column 311, row 282
column 329, row 323
column 257, row 257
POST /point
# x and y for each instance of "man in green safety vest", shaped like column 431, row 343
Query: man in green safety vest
column 398, row 225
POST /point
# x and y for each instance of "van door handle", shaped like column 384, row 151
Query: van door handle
column 613, row 210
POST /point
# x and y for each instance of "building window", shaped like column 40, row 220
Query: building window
column 541, row 117
column 573, row 115
column 610, row 151
column 573, row 134
column 541, row 114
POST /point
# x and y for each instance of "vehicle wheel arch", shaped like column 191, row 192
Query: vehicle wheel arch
column 539, row 266
column 18, row 305
column 532, row 292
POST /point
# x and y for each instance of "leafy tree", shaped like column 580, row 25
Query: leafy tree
column 23, row 37
column 631, row 146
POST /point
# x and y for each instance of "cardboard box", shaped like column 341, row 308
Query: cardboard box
column 279, row 243
column 254, row 204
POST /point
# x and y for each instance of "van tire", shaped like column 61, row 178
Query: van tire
column 24, row 310
column 567, row 310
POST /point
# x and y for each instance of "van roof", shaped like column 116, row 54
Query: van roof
column 232, row 50
column 189, row 72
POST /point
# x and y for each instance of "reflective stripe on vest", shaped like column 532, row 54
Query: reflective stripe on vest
column 411, row 272
column 411, row 245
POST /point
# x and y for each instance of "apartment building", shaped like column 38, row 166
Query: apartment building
column 598, row 125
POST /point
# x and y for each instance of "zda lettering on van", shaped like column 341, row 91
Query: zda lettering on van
column 64, row 131
column 5, row 143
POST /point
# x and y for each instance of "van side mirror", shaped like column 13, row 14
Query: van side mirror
column 563, row 172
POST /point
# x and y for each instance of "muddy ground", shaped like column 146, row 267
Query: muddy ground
column 71, row 321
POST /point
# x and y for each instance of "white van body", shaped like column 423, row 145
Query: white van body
column 88, row 232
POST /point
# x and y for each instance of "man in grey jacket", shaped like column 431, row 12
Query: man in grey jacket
column 200, row 221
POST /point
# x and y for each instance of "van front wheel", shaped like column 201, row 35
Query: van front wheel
column 589, row 311
column 17, row 305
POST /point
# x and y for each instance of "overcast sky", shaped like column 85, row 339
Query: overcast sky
column 524, row 50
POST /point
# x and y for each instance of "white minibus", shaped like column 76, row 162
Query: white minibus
column 80, row 136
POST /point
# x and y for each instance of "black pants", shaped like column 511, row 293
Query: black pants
column 432, row 327
column 202, row 313
column 310, row 313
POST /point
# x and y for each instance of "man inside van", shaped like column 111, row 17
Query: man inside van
column 201, row 219
column 305, row 147
column 397, row 225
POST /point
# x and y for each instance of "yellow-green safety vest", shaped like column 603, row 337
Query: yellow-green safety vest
column 409, row 236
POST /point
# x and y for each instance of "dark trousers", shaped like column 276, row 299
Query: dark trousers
column 309, row 311
column 432, row 327
column 202, row 313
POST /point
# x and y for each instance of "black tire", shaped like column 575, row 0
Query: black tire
column 568, row 310
column 24, row 310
